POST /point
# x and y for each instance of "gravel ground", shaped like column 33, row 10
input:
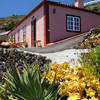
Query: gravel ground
column 70, row 55
column 67, row 44
column 61, row 52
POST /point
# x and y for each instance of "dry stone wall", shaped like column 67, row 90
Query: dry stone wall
column 9, row 57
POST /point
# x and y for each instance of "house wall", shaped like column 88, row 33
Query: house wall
column 39, row 28
column 57, row 22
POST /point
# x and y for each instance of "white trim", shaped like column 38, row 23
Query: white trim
column 73, row 23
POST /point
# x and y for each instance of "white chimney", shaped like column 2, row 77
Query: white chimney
column 79, row 3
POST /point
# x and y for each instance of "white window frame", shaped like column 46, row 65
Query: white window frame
column 73, row 23
column 24, row 31
column 18, row 37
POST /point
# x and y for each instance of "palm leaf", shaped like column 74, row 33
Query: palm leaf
column 28, row 85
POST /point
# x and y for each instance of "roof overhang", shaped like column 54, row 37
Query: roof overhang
column 56, row 4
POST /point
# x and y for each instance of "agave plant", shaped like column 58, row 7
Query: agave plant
column 3, row 95
column 29, row 85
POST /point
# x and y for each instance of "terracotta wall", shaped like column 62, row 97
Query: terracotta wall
column 58, row 22
column 39, row 28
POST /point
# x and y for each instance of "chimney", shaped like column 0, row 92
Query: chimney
column 79, row 3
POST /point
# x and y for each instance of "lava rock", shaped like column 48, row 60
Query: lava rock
column 90, row 40
column 9, row 57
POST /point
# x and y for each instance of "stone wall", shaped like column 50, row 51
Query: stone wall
column 9, row 57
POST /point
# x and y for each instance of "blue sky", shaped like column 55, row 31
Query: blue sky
column 21, row 7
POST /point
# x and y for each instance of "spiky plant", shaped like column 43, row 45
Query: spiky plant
column 29, row 84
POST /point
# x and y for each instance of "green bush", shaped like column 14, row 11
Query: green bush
column 10, row 25
column 1, row 90
column 3, row 95
column 4, row 37
column 94, row 7
column 28, row 85
column 92, row 60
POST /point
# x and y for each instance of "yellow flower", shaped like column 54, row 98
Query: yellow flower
column 72, row 81
column 66, row 64
column 50, row 76
column 94, row 80
column 74, row 96
column 63, row 89
column 54, row 66
column 73, row 86
column 25, row 39
column 44, row 75
column 82, row 84
column 79, row 67
column 90, row 92
column 74, row 77
column 93, row 98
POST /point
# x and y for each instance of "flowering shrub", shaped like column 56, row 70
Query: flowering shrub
column 90, row 40
column 26, row 42
column 76, row 83
column 92, row 60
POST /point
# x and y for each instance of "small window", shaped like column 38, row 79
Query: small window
column 14, row 37
column 24, row 32
column 18, row 35
column 73, row 23
column 54, row 10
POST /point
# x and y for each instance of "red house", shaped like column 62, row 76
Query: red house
column 51, row 21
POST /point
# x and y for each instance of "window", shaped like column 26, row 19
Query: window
column 14, row 37
column 54, row 10
column 18, row 35
column 24, row 32
column 73, row 23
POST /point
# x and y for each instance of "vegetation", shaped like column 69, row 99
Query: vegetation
column 26, row 42
column 92, row 60
column 7, row 23
column 4, row 37
column 1, row 93
column 10, row 25
column 90, row 40
column 58, row 82
column 75, row 83
column 95, row 7
column 28, row 85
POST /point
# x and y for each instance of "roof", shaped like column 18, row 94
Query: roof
column 28, row 15
column 53, row 3
column 72, row 7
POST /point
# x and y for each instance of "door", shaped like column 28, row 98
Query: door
column 33, row 32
